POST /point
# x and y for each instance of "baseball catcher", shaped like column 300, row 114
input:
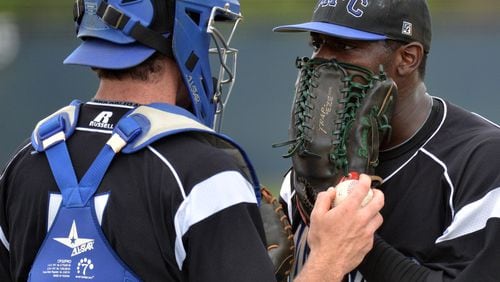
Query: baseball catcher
column 341, row 114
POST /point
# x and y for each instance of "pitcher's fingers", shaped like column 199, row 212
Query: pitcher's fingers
column 377, row 201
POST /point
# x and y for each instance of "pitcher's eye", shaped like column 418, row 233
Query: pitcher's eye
column 339, row 45
column 316, row 43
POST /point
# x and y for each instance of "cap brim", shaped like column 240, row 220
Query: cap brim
column 104, row 54
column 332, row 30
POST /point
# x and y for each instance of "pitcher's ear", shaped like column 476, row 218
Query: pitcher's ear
column 410, row 56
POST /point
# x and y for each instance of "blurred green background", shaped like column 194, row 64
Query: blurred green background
column 36, row 36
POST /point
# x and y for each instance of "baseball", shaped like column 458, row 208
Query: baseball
column 344, row 188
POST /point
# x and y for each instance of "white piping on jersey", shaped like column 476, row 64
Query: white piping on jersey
column 448, row 179
column 473, row 217
column 401, row 167
column 356, row 277
column 100, row 203
column 94, row 130
column 301, row 248
column 487, row 120
column 169, row 165
column 4, row 240
column 204, row 200
column 110, row 105
column 445, row 107
column 286, row 193
column 55, row 200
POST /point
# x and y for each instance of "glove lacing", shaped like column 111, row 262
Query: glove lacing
column 303, row 108
column 353, row 94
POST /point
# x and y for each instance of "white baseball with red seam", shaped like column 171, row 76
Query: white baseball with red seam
column 343, row 189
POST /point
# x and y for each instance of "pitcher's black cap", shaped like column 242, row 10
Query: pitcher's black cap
column 403, row 20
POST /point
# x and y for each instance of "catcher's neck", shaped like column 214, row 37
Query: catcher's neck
column 161, row 86
column 412, row 109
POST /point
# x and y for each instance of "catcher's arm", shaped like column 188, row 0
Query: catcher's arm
column 280, row 245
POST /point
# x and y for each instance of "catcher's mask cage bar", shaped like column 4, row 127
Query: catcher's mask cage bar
column 227, row 57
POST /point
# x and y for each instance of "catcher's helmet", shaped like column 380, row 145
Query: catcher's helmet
column 119, row 34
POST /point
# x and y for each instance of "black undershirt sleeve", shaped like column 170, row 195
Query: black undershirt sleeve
column 386, row 264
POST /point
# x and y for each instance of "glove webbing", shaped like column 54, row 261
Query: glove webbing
column 353, row 95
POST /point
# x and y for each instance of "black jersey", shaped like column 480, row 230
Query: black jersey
column 442, row 200
column 177, row 210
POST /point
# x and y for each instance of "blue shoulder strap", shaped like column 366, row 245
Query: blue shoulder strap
column 50, row 136
column 139, row 128
column 75, row 247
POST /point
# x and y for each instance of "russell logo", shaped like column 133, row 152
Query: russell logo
column 102, row 120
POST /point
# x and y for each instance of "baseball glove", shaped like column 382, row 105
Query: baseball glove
column 340, row 116
column 280, row 245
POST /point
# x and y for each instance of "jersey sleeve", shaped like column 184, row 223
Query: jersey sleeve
column 285, row 196
column 468, row 249
column 218, row 230
column 5, row 261
column 4, row 244
column 224, row 240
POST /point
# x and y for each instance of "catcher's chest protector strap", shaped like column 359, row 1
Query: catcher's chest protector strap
column 75, row 247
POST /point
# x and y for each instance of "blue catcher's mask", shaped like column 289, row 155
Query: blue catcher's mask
column 197, row 35
column 120, row 34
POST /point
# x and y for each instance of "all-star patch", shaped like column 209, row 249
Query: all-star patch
column 79, row 245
